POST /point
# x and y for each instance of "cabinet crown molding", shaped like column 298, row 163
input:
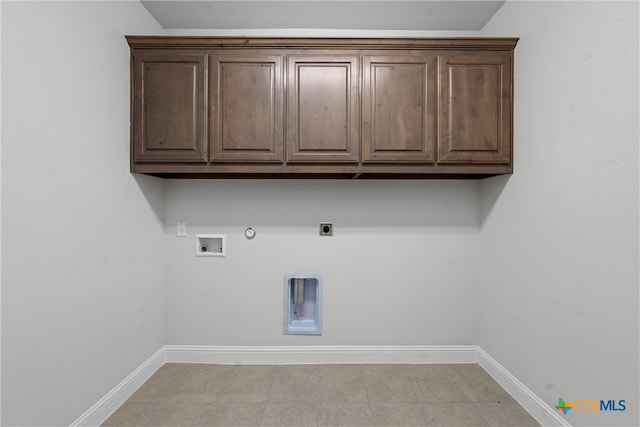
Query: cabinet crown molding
column 209, row 42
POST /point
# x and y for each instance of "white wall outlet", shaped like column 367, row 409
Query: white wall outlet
column 181, row 229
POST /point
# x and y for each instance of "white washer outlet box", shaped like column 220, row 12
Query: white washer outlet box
column 211, row 245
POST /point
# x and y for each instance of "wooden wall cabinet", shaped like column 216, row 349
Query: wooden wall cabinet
column 475, row 109
column 399, row 107
column 169, row 108
column 322, row 119
column 246, row 108
column 210, row 107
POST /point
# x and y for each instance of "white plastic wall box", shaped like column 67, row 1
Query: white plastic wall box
column 211, row 245
column 302, row 304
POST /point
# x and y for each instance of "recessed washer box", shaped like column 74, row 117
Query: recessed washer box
column 213, row 245
column 303, row 304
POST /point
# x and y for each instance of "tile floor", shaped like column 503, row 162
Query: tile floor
column 320, row 395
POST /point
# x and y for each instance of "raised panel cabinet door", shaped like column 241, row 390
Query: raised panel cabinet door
column 247, row 108
column 476, row 108
column 399, row 101
column 169, row 123
column 322, row 122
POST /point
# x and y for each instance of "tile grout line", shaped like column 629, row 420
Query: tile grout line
column 366, row 390
column 318, row 405
column 268, row 400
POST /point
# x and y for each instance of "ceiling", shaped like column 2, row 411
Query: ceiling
column 444, row 15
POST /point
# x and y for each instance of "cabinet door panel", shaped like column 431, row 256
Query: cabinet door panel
column 399, row 98
column 169, row 108
column 323, row 109
column 247, row 108
column 475, row 116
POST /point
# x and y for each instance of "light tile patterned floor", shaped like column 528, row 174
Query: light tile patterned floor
column 320, row 395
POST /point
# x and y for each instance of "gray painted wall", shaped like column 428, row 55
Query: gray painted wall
column 398, row 270
column 558, row 265
column 83, row 242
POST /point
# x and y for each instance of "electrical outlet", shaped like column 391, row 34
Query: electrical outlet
column 326, row 229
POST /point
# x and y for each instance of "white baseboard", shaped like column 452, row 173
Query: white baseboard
column 280, row 355
column 283, row 355
column 541, row 411
column 106, row 406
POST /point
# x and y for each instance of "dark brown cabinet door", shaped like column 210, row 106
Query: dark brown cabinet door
column 399, row 99
column 246, row 108
column 322, row 123
column 475, row 111
column 169, row 119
